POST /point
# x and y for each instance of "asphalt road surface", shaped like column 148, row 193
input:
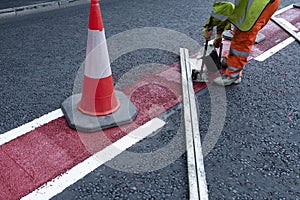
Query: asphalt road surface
column 18, row 3
column 257, row 154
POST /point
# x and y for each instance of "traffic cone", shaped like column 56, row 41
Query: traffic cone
column 99, row 106
column 98, row 96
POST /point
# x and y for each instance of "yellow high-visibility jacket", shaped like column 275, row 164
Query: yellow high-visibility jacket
column 243, row 13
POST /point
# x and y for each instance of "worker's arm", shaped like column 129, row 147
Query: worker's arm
column 220, row 29
column 208, row 30
column 219, row 16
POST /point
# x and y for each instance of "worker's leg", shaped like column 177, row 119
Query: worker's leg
column 242, row 42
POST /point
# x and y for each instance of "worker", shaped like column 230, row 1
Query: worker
column 248, row 17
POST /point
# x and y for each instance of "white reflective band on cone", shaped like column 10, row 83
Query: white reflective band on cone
column 97, row 64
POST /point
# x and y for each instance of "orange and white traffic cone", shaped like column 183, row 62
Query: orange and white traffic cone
column 99, row 106
column 98, row 96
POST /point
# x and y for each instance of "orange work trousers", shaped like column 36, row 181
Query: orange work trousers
column 242, row 42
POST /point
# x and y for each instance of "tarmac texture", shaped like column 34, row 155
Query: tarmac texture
column 256, row 156
column 19, row 3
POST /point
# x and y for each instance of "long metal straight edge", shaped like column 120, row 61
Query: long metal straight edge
column 191, row 165
column 196, row 173
column 201, row 178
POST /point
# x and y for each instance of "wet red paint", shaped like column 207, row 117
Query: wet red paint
column 39, row 156
column 48, row 151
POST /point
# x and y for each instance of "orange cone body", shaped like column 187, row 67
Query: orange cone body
column 98, row 95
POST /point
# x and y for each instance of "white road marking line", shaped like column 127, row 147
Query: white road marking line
column 279, row 46
column 58, row 184
column 287, row 24
column 25, row 128
column 283, row 10
column 275, row 49
column 282, row 44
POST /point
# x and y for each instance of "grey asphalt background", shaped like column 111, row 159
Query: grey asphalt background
column 256, row 157
column 19, row 3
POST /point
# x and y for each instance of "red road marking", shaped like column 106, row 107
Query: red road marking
column 48, row 151
column 44, row 153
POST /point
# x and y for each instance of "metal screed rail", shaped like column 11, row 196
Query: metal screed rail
column 196, row 173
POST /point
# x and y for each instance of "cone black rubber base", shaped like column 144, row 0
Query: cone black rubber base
column 86, row 123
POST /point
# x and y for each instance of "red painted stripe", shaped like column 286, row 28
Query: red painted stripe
column 13, row 177
column 44, row 153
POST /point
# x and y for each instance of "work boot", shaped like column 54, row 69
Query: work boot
column 225, row 80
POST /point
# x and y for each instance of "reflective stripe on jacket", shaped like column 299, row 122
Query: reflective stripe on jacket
column 243, row 16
